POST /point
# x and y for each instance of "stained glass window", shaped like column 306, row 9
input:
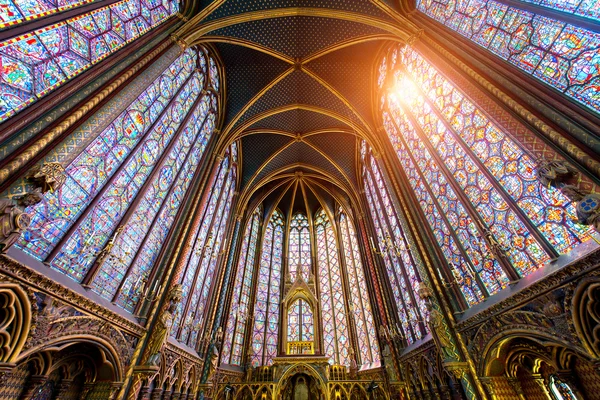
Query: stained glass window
column 358, row 296
column 38, row 62
column 299, row 247
column 111, row 170
column 266, row 307
column 333, row 303
column 200, row 267
column 584, row 8
column 475, row 183
column 394, row 246
column 242, row 290
column 564, row 56
column 300, row 322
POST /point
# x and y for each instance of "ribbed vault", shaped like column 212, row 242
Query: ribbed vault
column 299, row 78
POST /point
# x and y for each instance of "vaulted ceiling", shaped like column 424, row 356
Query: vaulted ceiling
column 299, row 80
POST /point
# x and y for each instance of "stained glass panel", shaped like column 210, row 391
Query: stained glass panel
column 513, row 168
column 359, row 296
column 33, row 64
column 200, row 262
column 236, row 323
column 135, row 133
column 300, row 322
column 564, row 56
column 96, row 227
column 266, row 307
column 333, row 303
column 299, row 247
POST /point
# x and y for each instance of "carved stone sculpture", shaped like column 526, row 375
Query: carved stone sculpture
column 439, row 332
column 555, row 172
column 389, row 362
column 13, row 218
column 163, row 326
column 588, row 210
column 48, row 176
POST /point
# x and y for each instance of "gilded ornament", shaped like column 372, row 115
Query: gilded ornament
column 13, row 218
column 48, row 177
column 555, row 172
column 163, row 326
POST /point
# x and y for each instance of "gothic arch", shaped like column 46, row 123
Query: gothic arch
column 15, row 321
column 585, row 308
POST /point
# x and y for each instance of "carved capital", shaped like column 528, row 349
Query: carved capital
column 516, row 385
column 488, row 383
column 456, row 368
column 47, row 177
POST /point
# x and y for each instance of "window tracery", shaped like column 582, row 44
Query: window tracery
column 299, row 251
column 38, row 62
column 105, row 226
column 359, row 304
column 266, row 308
column 208, row 245
column 476, row 185
column 336, row 338
column 562, row 55
column 393, row 245
column 242, row 291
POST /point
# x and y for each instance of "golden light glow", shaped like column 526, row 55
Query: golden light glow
column 404, row 90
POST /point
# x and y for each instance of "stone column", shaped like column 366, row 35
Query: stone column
column 516, row 385
column 34, row 383
column 64, row 387
column 157, row 394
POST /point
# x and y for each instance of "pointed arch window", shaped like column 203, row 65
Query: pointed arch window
column 301, row 326
column 105, row 226
column 476, row 185
column 299, row 248
column 559, row 54
column 336, row 339
column 242, row 291
column 200, row 266
column 266, row 307
column 393, row 245
column 359, row 306
column 38, row 62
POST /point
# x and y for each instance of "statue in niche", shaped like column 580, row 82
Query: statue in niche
column 13, row 218
column 439, row 333
column 214, row 355
column 388, row 361
column 163, row 326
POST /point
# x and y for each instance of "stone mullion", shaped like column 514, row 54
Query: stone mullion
column 235, row 255
column 192, row 245
column 252, row 298
column 162, row 207
column 506, row 266
column 211, row 225
column 548, row 248
column 375, row 198
column 219, row 296
column 352, row 333
column 92, row 272
column 451, row 228
column 38, row 147
column 392, row 252
column 98, row 196
column 497, row 79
